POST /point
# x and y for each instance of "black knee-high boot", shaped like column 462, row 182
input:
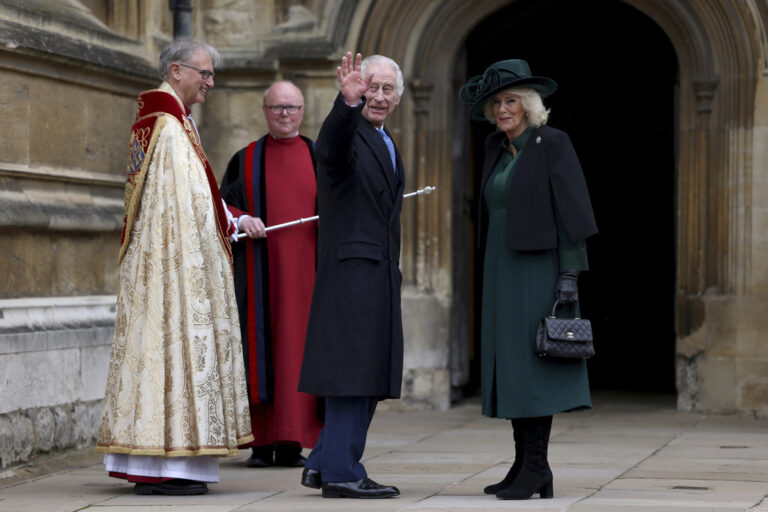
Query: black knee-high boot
column 535, row 476
column 515, row 469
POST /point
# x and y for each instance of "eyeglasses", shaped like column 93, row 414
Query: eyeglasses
column 203, row 72
column 278, row 109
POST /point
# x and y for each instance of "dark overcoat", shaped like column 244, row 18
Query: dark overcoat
column 354, row 344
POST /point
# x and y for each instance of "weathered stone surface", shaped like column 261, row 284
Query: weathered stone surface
column 64, row 435
column 240, row 111
column 98, row 277
column 23, row 437
column 718, row 384
column 16, row 438
column 6, row 441
column 54, row 355
column 54, row 109
column 425, row 388
column 44, row 428
column 108, row 54
column 751, row 324
column 35, row 379
column 319, row 94
column 103, row 120
column 239, row 24
column 24, row 434
column 686, row 379
column 46, row 264
column 107, row 129
column 753, row 387
column 721, row 367
column 14, row 109
column 425, row 321
column 85, row 424
column 426, row 327
column 94, row 363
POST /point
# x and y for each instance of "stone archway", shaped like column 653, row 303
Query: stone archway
column 720, row 46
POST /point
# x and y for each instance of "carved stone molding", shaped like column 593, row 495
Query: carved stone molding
column 422, row 91
column 426, row 219
column 78, row 201
column 705, row 92
column 47, row 314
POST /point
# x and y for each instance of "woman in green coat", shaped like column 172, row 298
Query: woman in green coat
column 535, row 214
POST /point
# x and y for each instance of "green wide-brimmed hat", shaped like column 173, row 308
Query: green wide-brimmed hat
column 498, row 77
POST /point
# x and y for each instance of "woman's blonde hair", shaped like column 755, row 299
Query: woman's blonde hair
column 531, row 100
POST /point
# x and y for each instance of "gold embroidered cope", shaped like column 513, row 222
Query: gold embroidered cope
column 176, row 383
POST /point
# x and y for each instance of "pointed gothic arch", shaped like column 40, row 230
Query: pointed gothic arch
column 721, row 50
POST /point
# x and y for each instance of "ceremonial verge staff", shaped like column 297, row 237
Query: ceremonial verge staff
column 426, row 190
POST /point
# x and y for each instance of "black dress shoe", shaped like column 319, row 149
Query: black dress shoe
column 261, row 457
column 311, row 478
column 289, row 455
column 365, row 488
column 173, row 487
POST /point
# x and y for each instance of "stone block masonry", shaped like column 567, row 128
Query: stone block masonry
column 26, row 434
column 54, row 355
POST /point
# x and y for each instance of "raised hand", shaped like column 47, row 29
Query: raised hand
column 351, row 82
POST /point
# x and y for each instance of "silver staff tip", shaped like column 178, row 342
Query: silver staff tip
column 428, row 190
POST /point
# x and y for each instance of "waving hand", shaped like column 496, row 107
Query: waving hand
column 351, row 82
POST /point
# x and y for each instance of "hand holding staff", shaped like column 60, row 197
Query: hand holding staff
column 253, row 227
column 426, row 190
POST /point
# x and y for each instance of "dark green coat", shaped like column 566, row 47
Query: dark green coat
column 518, row 290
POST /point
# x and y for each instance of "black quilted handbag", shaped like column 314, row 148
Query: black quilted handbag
column 565, row 337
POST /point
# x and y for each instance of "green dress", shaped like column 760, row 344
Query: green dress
column 518, row 290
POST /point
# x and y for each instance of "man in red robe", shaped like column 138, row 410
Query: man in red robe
column 272, row 181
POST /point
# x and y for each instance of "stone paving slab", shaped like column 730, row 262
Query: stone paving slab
column 480, row 503
column 631, row 453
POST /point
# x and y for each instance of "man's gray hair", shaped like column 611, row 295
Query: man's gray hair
column 181, row 50
column 380, row 59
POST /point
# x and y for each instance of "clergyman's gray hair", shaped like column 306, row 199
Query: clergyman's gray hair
column 380, row 59
column 532, row 104
column 181, row 50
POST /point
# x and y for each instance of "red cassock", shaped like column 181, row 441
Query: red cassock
column 286, row 190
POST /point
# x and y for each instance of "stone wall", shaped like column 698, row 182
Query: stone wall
column 54, row 354
column 68, row 87
column 723, row 366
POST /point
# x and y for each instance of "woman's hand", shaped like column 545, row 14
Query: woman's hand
column 566, row 288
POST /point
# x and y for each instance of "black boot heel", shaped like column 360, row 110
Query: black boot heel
column 547, row 491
